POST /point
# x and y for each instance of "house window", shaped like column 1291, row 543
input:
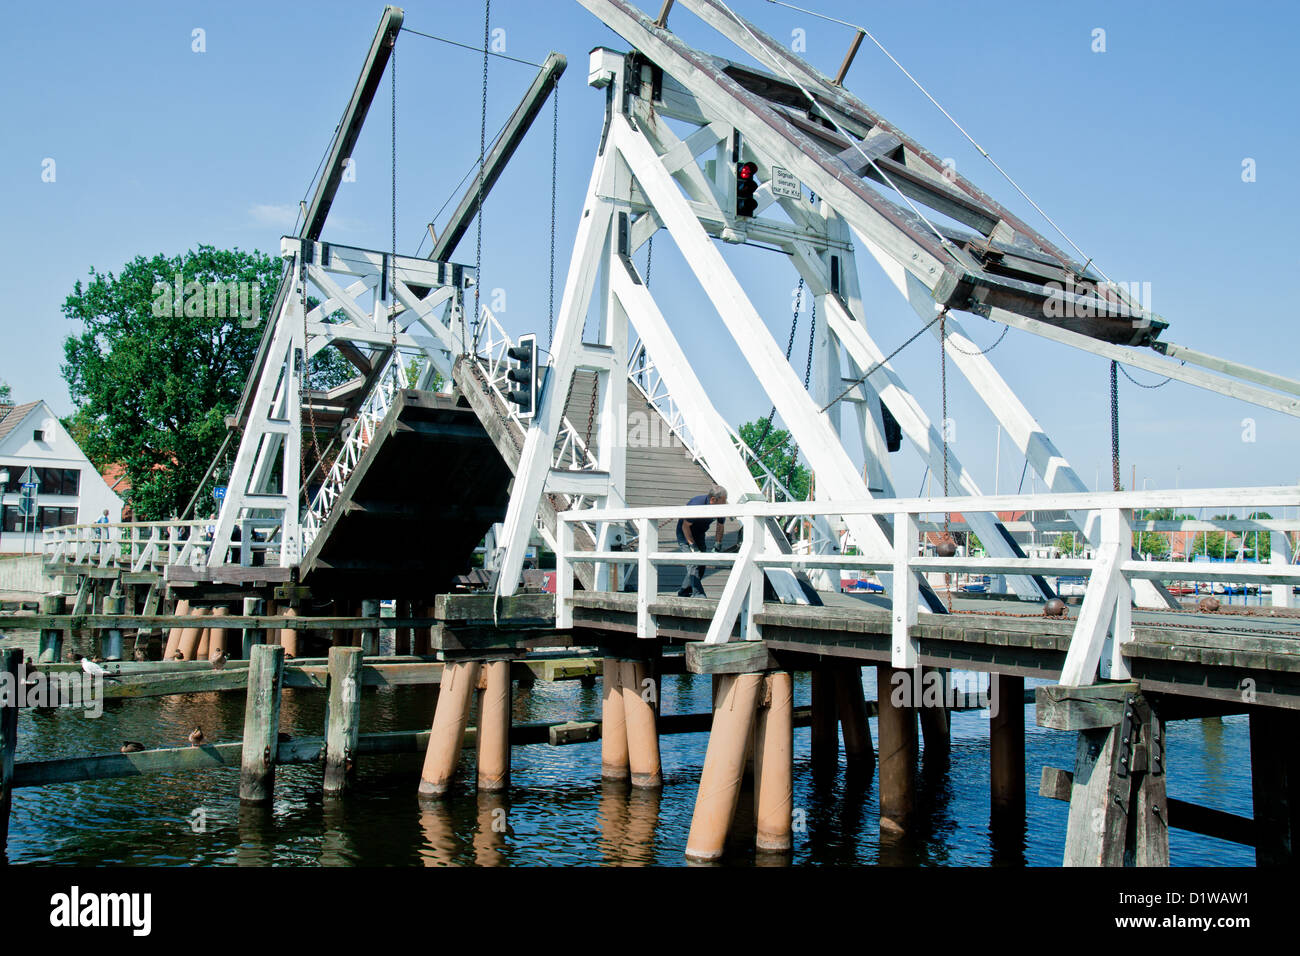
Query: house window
column 55, row 517
column 54, row 481
column 38, row 435
column 13, row 521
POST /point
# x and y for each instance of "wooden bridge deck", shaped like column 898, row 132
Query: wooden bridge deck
column 1237, row 660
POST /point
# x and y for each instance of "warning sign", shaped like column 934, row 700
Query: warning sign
column 785, row 183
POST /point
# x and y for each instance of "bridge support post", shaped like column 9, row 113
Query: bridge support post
column 450, row 718
column 174, row 634
column 774, row 763
column 402, row 635
column 615, row 764
column 1275, row 785
column 342, row 717
column 935, row 725
column 897, row 724
column 494, row 726
column 252, row 635
column 218, row 637
column 288, row 636
column 188, row 647
column 859, row 750
column 640, row 699
column 261, row 725
column 825, row 734
column 1007, row 751
column 1117, row 796
column 724, row 765
column 370, row 635
column 50, row 650
column 110, row 639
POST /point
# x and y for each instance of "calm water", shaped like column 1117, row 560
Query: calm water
column 557, row 812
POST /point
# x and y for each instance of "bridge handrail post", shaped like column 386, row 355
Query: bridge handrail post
column 904, row 596
column 647, row 576
column 563, row 573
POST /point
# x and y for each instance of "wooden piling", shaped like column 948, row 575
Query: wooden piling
column 261, row 724
column 370, row 635
column 192, row 635
column 774, row 764
column 402, row 635
column 252, row 636
column 935, row 730
column 614, row 757
column 50, row 649
column 724, row 764
column 494, row 727
column 288, row 636
column 1007, row 749
column 174, row 634
column 897, row 726
column 859, row 751
column 450, row 718
column 11, row 659
column 218, row 637
column 110, row 639
column 825, row 731
column 639, row 721
column 1275, row 785
column 342, row 717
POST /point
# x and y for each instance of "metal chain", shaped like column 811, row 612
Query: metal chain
column 649, row 259
column 482, row 153
column 591, row 412
column 996, row 343
column 789, row 350
column 1167, row 380
column 555, row 139
column 1114, row 424
column 812, row 337
column 881, row 364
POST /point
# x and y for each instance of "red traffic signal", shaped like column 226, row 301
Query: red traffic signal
column 746, row 186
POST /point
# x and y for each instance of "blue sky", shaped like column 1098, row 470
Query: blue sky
column 1137, row 152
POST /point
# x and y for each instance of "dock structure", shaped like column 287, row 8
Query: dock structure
column 388, row 489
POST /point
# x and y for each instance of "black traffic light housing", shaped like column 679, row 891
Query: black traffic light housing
column 522, row 373
column 746, row 186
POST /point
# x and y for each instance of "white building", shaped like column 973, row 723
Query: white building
column 71, row 490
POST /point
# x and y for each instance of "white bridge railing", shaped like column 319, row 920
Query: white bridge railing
column 128, row 546
column 370, row 416
column 1104, row 621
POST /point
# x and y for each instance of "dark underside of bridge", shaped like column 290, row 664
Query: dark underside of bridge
column 427, row 488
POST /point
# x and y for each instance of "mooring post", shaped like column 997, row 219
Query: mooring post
column 859, row 751
column 261, row 724
column 614, row 758
column 494, row 727
column 1275, row 782
column 724, row 764
column 774, row 764
column 289, row 636
column 342, row 717
column 175, row 632
column 51, row 640
column 110, row 641
column 370, row 633
column 450, row 718
column 11, row 659
column 639, row 694
column 218, row 637
column 1007, row 749
column 896, row 721
column 825, row 731
column 252, row 636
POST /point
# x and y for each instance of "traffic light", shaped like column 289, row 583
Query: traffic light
column 523, row 375
column 746, row 186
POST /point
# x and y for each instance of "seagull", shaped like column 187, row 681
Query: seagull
column 217, row 659
column 94, row 670
column 196, row 737
column 132, row 746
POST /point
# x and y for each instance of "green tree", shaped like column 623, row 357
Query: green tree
column 153, row 374
column 1217, row 544
column 776, row 449
column 1071, row 545
column 5, row 393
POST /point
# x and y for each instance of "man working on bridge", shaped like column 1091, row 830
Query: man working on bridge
column 691, row 535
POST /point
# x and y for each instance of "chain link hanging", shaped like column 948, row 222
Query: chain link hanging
column 1114, row 424
column 789, row 350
